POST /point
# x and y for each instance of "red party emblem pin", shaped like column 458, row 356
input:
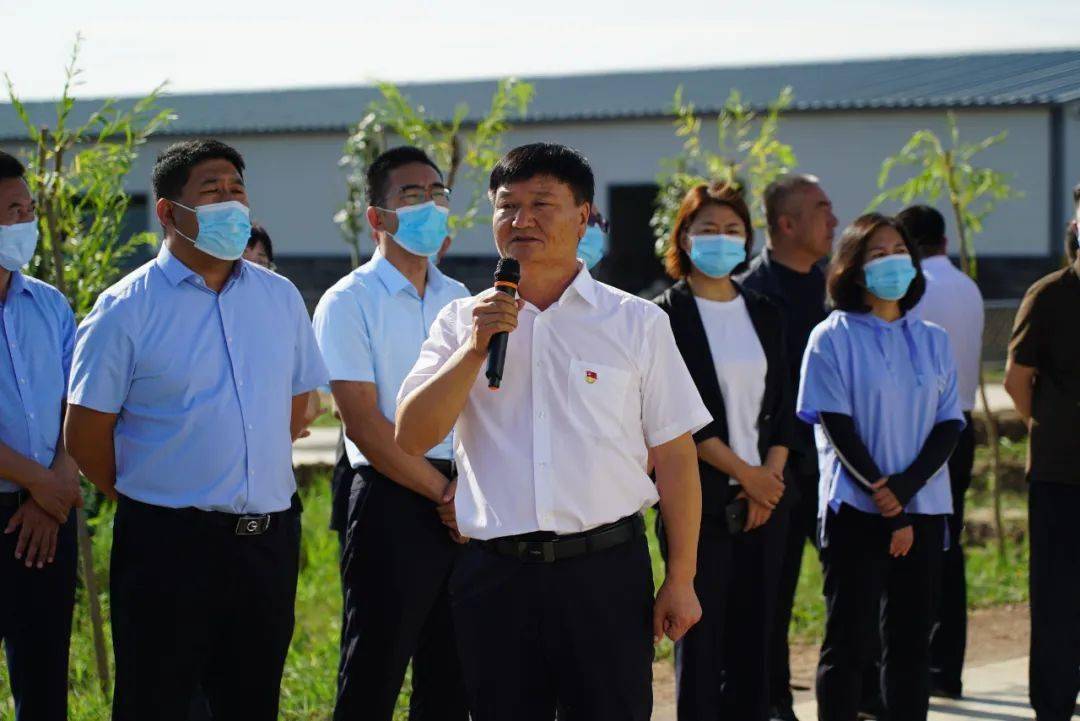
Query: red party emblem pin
column 590, row 376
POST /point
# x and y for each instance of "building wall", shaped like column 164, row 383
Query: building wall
column 296, row 186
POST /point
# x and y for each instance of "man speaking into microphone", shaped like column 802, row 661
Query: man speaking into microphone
column 553, row 600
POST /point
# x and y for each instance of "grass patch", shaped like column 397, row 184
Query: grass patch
column 308, row 686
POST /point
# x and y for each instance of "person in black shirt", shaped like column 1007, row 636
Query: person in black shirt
column 789, row 272
column 1043, row 378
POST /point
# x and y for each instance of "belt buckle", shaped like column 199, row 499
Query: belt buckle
column 252, row 525
column 538, row 551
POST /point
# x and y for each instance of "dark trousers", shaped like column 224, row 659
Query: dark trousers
column 863, row 583
column 722, row 664
column 195, row 604
column 801, row 527
column 340, row 490
column 948, row 640
column 573, row 637
column 35, row 624
column 1055, row 587
column 701, row 654
column 395, row 569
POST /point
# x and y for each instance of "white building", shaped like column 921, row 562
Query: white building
column 846, row 118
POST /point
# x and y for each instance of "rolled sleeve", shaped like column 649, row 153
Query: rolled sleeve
column 103, row 361
column 670, row 402
column 343, row 337
column 309, row 371
column 822, row 388
column 442, row 342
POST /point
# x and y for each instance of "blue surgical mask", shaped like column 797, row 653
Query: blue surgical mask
column 224, row 228
column 17, row 244
column 422, row 228
column 717, row 255
column 591, row 246
column 890, row 277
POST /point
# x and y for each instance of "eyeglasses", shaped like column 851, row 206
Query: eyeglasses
column 415, row 195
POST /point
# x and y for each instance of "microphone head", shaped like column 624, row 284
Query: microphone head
column 508, row 271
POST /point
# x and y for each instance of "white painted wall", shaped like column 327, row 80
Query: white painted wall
column 1072, row 163
column 296, row 186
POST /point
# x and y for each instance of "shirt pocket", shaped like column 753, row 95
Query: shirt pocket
column 597, row 397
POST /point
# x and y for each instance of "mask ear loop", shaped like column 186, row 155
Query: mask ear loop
column 176, row 227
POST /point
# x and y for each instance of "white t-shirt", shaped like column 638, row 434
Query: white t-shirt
column 953, row 301
column 591, row 383
column 740, row 368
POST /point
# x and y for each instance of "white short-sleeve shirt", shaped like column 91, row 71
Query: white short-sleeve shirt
column 590, row 384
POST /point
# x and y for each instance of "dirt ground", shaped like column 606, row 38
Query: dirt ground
column 994, row 634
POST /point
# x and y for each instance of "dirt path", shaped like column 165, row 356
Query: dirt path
column 994, row 634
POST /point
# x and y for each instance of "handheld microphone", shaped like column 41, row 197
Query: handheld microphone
column 507, row 277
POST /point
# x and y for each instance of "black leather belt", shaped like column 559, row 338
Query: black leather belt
column 545, row 547
column 13, row 499
column 241, row 524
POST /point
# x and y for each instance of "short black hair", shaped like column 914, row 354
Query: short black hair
column 560, row 162
column 173, row 166
column 259, row 235
column 845, row 281
column 10, row 167
column 378, row 173
column 925, row 226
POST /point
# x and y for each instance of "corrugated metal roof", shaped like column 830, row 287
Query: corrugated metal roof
column 982, row 80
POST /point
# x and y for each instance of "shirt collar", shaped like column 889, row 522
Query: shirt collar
column 394, row 281
column 176, row 272
column 18, row 284
column 584, row 285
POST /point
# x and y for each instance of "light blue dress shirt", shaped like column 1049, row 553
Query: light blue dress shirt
column 202, row 383
column 37, row 334
column 370, row 326
column 897, row 381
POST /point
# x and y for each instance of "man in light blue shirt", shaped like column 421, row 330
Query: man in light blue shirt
column 190, row 380
column 38, row 480
column 398, row 553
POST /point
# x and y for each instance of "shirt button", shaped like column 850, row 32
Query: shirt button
column 240, row 383
column 31, row 416
column 540, row 414
column 250, row 427
column 23, row 381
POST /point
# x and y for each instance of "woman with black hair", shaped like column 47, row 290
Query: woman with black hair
column 880, row 387
column 732, row 340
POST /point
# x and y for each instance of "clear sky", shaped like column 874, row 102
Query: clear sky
column 132, row 45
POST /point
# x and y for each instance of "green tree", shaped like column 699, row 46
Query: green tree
column 461, row 154
column 748, row 155
column 973, row 192
column 75, row 172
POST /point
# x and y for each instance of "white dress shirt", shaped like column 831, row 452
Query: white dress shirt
column 953, row 301
column 370, row 326
column 590, row 385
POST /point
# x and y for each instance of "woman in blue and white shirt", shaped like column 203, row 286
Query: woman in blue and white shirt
column 880, row 387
